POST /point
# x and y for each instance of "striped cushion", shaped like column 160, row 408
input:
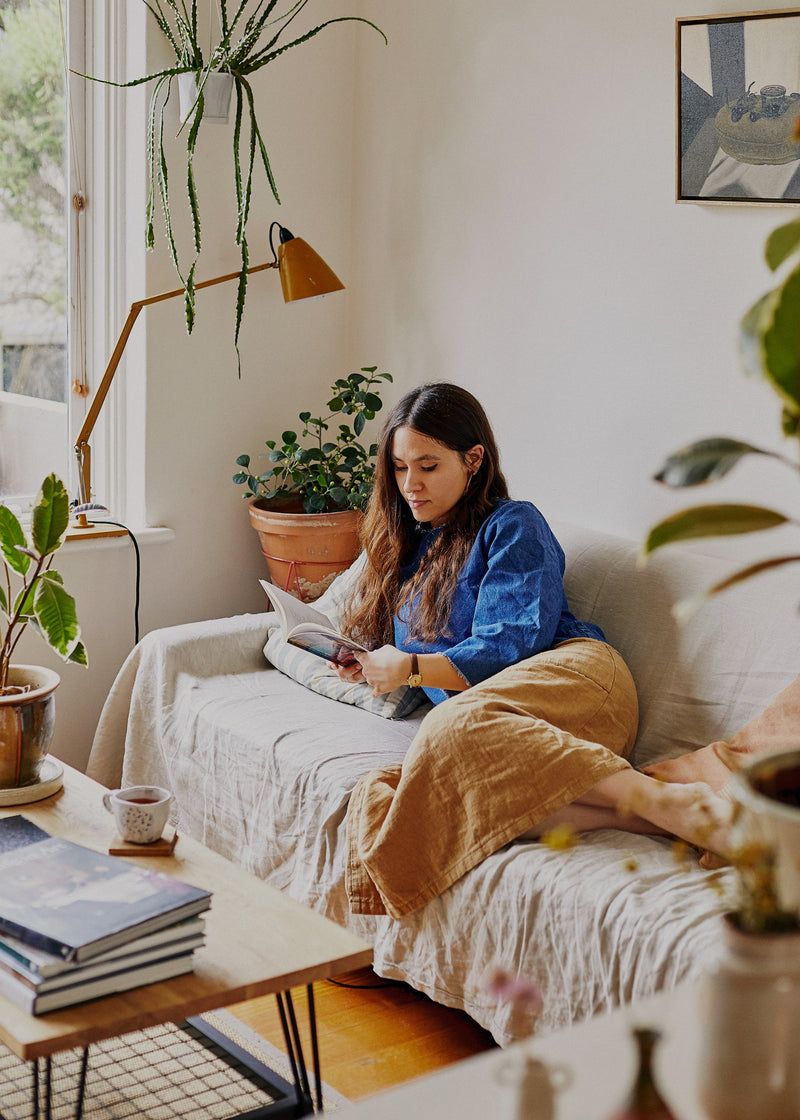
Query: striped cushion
column 313, row 672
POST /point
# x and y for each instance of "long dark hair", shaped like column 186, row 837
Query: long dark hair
column 390, row 535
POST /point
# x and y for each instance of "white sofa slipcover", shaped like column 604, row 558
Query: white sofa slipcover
column 262, row 769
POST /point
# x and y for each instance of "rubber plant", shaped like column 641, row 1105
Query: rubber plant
column 770, row 349
column 31, row 592
column 250, row 36
column 330, row 474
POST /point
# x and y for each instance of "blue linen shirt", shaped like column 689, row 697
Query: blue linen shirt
column 509, row 601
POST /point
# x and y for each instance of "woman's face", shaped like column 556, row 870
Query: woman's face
column 430, row 476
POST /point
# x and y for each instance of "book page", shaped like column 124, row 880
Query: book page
column 291, row 610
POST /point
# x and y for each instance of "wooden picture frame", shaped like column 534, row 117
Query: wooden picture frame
column 738, row 108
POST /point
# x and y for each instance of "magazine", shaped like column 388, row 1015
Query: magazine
column 309, row 629
column 75, row 902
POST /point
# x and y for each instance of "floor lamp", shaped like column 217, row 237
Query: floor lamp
column 304, row 275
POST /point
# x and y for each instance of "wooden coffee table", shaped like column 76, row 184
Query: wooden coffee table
column 258, row 942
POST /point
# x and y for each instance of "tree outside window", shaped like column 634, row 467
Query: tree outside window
column 33, row 261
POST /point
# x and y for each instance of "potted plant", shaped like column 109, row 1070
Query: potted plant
column 249, row 37
column 307, row 506
column 32, row 593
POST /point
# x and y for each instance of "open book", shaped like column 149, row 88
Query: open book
column 310, row 629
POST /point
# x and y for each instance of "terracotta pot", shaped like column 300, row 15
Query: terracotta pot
column 26, row 724
column 305, row 551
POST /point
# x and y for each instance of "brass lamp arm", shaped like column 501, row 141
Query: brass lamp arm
column 82, row 448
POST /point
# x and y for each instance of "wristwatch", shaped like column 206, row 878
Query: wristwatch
column 415, row 679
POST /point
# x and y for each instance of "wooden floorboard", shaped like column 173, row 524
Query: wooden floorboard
column 373, row 1033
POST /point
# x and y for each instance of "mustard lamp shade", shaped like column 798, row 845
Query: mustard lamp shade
column 304, row 274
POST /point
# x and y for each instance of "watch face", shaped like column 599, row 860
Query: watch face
column 415, row 680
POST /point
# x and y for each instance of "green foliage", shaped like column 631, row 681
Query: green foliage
column 32, row 119
column 769, row 341
column 249, row 38
column 330, row 474
column 31, row 592
column 32, row 148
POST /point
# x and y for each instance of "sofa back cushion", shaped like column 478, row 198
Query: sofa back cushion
column 701, row 680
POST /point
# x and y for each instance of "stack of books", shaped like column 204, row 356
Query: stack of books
column 76, row 924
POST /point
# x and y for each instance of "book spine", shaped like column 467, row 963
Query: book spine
column 36, row 939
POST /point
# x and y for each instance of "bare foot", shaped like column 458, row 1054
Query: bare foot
column 712, row 764
column 691, row 811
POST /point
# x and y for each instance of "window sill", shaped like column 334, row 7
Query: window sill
column 102, row 533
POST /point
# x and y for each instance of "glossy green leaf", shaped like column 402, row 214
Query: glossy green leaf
column 56, row 614
column 751, row 330
column 781, row 243
column 704, row 461
column 50, row 519
column 711, row 521
column 12, row 536
column 79, row 655
column 780, row 343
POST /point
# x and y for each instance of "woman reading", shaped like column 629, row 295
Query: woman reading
column 534, row 712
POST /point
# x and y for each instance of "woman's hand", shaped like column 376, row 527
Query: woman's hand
column 385, row 669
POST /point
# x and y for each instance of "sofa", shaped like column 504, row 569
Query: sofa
column 262, row 767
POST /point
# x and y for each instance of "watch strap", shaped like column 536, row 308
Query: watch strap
column 415, row 677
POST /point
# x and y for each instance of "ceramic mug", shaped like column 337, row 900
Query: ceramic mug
column 768, row 792
column 140, row 812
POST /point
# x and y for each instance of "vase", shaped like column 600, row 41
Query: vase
column 305, row 551
column 750, row 1060
column 26, row 724
column 216, row 96
column 644, row 1100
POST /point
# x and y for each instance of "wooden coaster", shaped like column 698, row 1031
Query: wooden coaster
column 164, row 846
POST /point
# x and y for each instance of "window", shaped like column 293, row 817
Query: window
column 34, row 184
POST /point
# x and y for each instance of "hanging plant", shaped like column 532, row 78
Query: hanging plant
column 250, row 37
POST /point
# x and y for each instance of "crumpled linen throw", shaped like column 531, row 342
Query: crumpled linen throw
column 487, row 765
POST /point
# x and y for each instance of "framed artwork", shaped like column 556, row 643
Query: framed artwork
column 738, row 112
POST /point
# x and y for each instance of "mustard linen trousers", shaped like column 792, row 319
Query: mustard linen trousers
column 487, row 765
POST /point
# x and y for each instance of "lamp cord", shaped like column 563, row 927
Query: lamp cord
column 138, row 575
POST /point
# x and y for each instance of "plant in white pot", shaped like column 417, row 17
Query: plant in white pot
column 248, row 36
column 32, row 594
column 307, row 505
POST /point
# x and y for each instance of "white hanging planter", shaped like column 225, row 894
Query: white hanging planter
column 216, row 96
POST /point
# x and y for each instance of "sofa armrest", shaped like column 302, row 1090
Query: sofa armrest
column 148, row 680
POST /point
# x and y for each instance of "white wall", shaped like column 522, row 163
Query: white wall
column 501, row 209
column 517, row 232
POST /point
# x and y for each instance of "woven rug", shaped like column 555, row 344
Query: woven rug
column 162, row 1073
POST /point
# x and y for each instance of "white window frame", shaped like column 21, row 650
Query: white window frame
column 111, row 43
